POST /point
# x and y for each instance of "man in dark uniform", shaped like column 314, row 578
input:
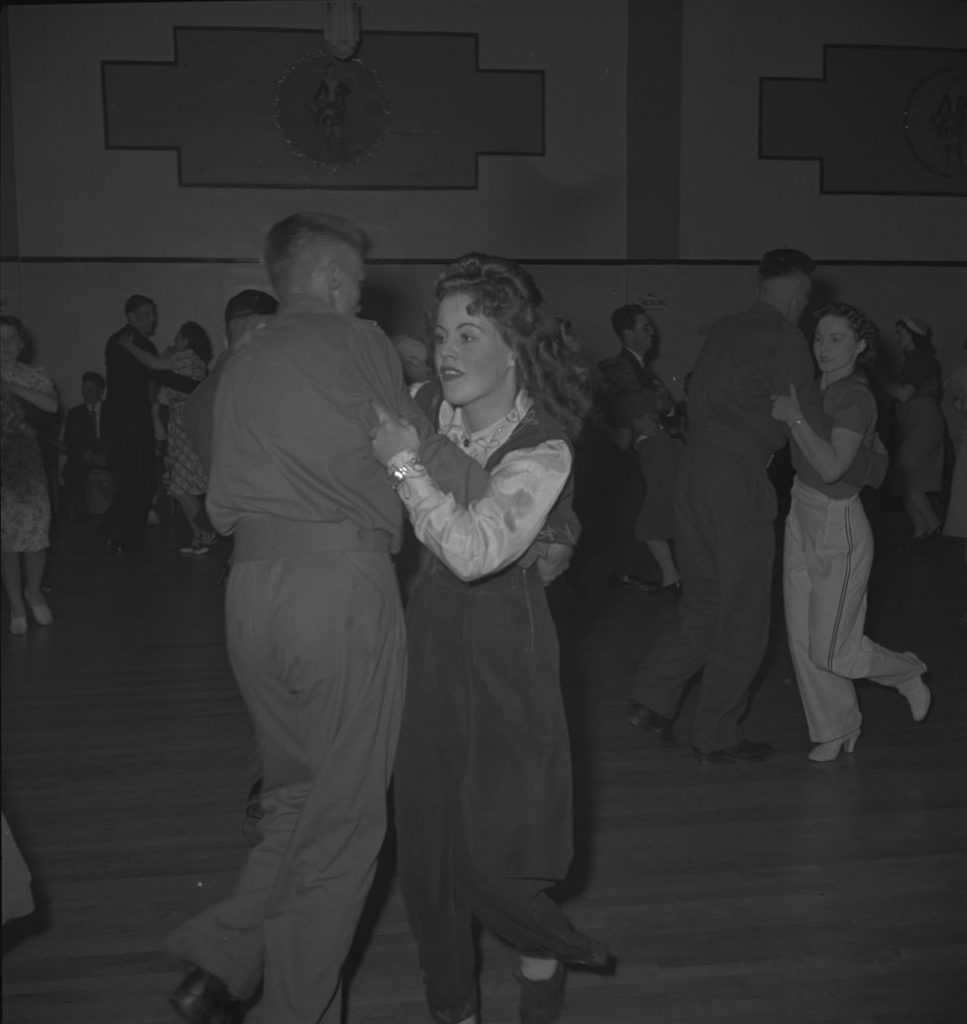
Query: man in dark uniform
column 243, row 312
column 622, row 375
column 127, row 420
column 725, row 506
column 85, row 444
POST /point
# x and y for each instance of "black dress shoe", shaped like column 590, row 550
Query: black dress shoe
column 650, row 721
column 204, row 999
column 747, row 750
column 631, row 582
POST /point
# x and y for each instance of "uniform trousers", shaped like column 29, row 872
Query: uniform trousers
column 318, row 649
column 133, row 464
column 826, row 567
column 725, row 544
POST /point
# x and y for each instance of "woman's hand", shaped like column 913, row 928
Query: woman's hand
column 392, row 436
column 786, row 408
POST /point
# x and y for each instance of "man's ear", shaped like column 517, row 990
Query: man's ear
column 327, row 274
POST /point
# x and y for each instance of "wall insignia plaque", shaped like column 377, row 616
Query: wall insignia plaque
column 935, row 122
column 331, row 112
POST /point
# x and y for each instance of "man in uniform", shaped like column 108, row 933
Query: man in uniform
column 725, row 506
column 313, row 624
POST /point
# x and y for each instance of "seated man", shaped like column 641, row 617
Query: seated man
column 89, row 483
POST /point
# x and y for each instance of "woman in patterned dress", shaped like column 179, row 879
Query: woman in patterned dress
column 25, row 504
column 188, row 357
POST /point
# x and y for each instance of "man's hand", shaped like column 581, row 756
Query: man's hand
column 786, row 408
column 392, row 436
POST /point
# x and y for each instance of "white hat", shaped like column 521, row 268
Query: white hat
column 916, row 327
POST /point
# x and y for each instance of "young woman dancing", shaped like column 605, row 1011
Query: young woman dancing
column 829, row 545
column 483, row 775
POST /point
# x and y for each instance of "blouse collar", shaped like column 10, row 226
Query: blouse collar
column 482, row 443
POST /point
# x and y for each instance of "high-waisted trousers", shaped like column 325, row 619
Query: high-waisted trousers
column 826, row 567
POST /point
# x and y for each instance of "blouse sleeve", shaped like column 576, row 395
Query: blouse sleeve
column 496, row 529
column 188, row 364
column 854, row 410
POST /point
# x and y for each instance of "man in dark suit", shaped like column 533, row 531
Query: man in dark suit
column 85, row 444
column 621, row 375
column 128, row 421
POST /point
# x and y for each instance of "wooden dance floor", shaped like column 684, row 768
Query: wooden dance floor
column 776, row 893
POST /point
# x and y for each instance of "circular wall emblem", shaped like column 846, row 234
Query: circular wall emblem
column 331, row 112
column 935, row 122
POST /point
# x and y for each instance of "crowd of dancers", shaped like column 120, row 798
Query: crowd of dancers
column 306, row 446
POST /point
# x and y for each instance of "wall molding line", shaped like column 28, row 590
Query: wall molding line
column 443, row 260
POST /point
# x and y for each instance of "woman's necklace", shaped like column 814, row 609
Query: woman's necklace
column 492, row 437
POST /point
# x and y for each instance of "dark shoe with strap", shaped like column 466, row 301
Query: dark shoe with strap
column 649, row 721
column 747, row 750
column 204, row 999
column 542, row 1002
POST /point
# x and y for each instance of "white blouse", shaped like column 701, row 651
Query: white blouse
column 495, row 530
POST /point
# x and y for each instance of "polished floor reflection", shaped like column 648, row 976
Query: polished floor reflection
column 784, row 891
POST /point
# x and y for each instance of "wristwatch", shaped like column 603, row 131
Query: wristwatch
column 411, row 467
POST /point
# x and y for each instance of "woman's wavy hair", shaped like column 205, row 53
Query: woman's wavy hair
column 196, row 338
column 551, row 365
column 27, row 344
column 860, row 324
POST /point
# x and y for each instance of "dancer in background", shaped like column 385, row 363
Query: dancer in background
column 24, row 500
column 923, row 430
column 186, row 478
column 724, row 511
column 955, row 524
column 829, row 545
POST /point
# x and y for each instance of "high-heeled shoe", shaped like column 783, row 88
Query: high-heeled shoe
column 928, row 535
column 40, row 611
column 830, row 751
column 918, row 697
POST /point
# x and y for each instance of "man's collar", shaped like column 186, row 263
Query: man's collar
column 640, row 360
column 302, row 302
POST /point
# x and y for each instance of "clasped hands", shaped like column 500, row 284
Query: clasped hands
column 397, row 434
column 392, row 436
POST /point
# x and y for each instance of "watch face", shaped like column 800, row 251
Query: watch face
column 935, row 122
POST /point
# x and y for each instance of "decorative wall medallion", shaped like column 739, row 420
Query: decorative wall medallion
column 331, row 112
column 935, row 122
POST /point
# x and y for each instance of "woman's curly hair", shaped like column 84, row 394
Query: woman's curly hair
column 860, row 324
column 551, row 365
column 197, row 339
